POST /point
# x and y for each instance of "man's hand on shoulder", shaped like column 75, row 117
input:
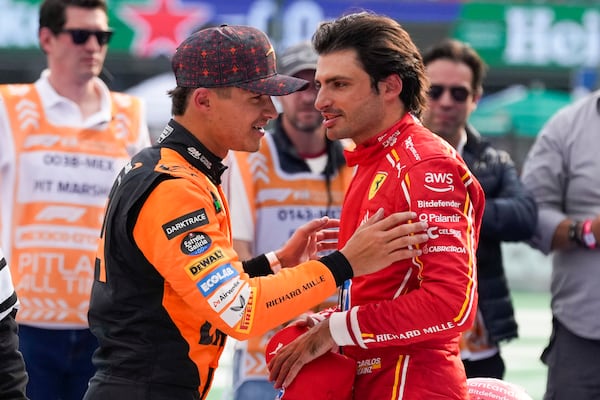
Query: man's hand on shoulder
column 381, row 241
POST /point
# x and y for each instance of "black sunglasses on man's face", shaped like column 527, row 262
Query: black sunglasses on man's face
column 81, row 36
column 458, row 93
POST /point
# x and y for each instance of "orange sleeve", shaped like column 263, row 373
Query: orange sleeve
column 183, row 231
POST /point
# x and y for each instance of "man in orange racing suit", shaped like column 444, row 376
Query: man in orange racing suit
column 168, row 285
column 402, row 324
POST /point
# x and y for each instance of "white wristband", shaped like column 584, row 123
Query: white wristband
column 273, row 262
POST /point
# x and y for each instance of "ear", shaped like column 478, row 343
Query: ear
column 200, row 98
column 476, row 97
column 391, row 86
column 45, row 37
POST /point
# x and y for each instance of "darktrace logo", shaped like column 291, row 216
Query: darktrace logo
column 185, row 223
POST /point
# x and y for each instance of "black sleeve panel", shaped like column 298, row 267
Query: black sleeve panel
column 339, row 266
column 257, row 266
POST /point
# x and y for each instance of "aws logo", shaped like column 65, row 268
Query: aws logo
column 439, row 182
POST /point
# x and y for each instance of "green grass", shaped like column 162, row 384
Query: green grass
column 522, row 356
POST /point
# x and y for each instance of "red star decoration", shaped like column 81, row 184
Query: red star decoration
column 162, row 24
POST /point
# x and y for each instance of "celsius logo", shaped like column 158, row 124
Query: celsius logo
column 195, row 243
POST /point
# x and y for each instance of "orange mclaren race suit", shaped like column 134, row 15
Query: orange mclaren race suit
column 402, row 324
column 168, row 285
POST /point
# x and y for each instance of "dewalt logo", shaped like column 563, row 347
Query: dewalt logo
column 210, row 260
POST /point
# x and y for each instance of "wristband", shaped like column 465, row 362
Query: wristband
column 273, row 261
column 587, row 236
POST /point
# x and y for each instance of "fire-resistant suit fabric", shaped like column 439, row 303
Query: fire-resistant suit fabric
column 402, row 324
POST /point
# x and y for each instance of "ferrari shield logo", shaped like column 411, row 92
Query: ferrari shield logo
column 377, row 183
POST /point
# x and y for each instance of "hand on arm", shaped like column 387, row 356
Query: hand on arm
column 381, row 241
column 291, row 358
column 308, row 240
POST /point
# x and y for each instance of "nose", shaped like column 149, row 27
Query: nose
column 270, row 110
column 93, row 43
column 322, row 101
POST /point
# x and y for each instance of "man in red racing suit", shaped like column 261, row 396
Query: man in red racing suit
column 401, row 324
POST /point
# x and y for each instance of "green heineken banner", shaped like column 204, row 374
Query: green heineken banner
column 148, row 28
column 522, row 34
column 531, row 36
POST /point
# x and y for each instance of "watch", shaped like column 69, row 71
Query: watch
column 573, row 232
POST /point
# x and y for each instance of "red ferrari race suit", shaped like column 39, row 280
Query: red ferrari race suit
column 402, row 324
column 168, row 285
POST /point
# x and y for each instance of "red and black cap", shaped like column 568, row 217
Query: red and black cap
column 231, row 55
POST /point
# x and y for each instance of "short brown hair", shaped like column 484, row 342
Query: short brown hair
column 383, row 47
column 53, row 15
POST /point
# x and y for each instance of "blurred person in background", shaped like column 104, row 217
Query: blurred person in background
column 63, row 140
column 13, row 377
column 456, row 73
column 402, row 324
column 297, row 175
column 562, row 169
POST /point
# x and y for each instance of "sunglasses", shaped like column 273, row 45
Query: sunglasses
column 81, row 36
column 458, row 93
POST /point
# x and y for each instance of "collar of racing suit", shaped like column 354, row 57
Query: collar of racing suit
column 372, row 147
column 177, row 138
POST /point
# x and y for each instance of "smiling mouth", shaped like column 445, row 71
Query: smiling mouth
column 327, row 116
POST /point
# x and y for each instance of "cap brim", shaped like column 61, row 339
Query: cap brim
column 275, row 85
column 298, row 68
